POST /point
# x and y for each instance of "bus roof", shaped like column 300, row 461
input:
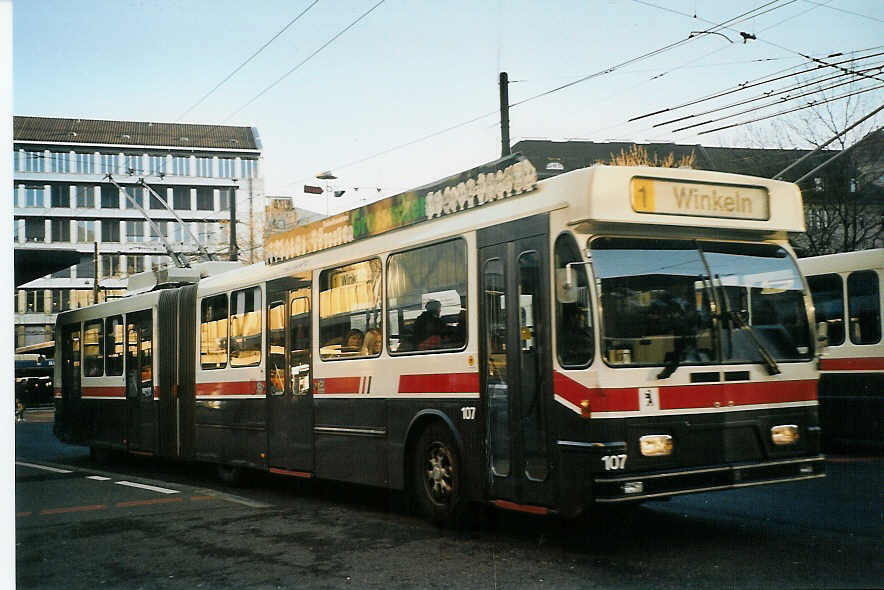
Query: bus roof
column 842, row 262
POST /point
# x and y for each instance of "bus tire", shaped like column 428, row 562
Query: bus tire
column 436, row 484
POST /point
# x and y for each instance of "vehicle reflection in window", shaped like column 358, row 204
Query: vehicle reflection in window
column 658, row 298
column 761, row 283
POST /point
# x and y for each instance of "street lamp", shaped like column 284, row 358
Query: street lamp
column 327, row 176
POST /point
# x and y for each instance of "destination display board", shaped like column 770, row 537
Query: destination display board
column 501, row 179
column 699, row 199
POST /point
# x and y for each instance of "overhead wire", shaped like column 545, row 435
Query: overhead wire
column 605, row 71
column 806, row 106
column 815, row 85
column 250, row 58
column 306, row 59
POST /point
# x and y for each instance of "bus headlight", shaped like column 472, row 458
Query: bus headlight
column 784, row 434
column 655, row 445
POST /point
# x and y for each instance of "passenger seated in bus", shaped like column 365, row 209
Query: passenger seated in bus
column 427, row 328
column 371, row 346
column 353, row 342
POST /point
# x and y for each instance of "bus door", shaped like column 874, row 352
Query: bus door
column 516, row 360
column 141, row 410
column 70, row 378
column 289, row 375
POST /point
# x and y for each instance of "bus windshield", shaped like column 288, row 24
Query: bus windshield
column 674, row 302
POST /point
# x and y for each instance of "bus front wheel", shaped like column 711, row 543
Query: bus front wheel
column 436, row 475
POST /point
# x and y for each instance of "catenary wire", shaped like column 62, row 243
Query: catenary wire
column 306, row 59
column 250, row 58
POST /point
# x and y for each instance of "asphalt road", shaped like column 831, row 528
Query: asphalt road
column 174, row 526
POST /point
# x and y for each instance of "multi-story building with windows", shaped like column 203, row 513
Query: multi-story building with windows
column 63, row 201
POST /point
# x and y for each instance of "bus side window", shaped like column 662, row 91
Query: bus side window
column 93, row 348
column 349, row 308
column 427, row 298
column 827, row 292
column 864, row 308
column 574, row 334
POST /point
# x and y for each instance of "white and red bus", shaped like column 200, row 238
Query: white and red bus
column 848, row 294
column 613, row 334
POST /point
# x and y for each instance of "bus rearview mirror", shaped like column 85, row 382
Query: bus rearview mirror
column 566, row 285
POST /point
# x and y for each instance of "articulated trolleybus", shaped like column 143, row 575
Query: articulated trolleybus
column 848, row 294
column 613, row 334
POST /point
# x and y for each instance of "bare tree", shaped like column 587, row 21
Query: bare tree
column 844, row 201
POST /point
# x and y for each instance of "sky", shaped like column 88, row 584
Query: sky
column 396, row 94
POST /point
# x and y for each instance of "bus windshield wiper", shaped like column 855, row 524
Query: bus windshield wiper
column 674, row 362
column 769, row 362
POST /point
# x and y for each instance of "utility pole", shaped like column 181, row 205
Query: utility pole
column 95, row 280
column 251, row 226
column 504, row 115
column 234, row 249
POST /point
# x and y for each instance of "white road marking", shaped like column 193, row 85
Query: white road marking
column 43, row 467
column 146, row 487
column 98, row 477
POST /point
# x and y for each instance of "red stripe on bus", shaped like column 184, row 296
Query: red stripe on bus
column 687, row 396
column 506, row 505
column 736, row 394
column 303, row 474
column 109, row 391
column 621, row 399
column 857, row 364
column 342, row 385
column 439, row 383
column 227, row 388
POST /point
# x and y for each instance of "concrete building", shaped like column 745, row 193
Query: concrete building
column 64, row 203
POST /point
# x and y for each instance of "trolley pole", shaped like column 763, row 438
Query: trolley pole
column 504, row 115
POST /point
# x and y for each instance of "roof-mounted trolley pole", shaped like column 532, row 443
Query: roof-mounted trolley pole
column 180, row 261
column 163, row 202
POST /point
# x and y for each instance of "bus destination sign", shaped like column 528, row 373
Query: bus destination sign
column 671, row 197
column 501, row 179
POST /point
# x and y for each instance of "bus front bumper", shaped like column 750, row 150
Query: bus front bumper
column 662, row 484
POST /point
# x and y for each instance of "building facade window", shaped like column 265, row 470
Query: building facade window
column 86, row 197
column 61, row 162
column 110, row 197
column 134, row 264
column 134, row 231
column 85, row 163
column 134, row 163
column 205, row 199
column 61, row 230
column 61, row 300
column 32, row 162
column 181, row 165
column 161, row 229
column 35, row 230
column 110, row 265
column 155, row 203
column 181, row 199
column 204, row 167
column 61, row 195
column 110, row 163
column 224, row 198
column 137, row 195
column 110, row 230
column 85, row 232
column 248, row 168
column 35, row 301
column 35, row 196
column 226, row 167
column 157, row 165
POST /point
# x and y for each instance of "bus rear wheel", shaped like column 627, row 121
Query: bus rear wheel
column 436, row 475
